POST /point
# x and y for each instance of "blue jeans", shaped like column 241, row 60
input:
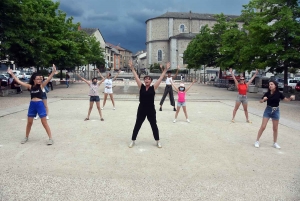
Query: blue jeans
column 67, row 82
column 272, row 112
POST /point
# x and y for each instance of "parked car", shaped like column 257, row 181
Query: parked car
column 297, row 87
column 292, row 83
column 24, row 76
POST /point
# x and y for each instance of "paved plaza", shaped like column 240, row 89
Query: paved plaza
column 209, row 158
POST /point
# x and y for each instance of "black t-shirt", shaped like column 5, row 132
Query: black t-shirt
column 147, row 97
column 273, row 99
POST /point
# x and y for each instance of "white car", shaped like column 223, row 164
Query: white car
column 292, row 83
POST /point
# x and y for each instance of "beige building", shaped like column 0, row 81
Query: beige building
column 117, row 57
column 168, row 35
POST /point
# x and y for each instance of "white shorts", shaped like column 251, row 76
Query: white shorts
column 108, row 91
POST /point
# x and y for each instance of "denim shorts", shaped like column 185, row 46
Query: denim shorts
column 36, row 107
column 44, row 96
column 272, row 112
column 179, row 104
column 94, row 98
column 242, row 99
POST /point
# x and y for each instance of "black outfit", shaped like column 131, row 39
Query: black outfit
column 168, row 90
column 273, row 99
column 36, row 92
column 146, row 109
column 50, row 85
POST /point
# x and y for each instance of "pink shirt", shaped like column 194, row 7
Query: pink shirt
column 181, row 96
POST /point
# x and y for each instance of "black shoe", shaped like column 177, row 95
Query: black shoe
column 160, row 109
column 174, row 109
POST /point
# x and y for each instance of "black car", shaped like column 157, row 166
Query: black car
column 3, row 80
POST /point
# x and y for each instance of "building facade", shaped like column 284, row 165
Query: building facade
column 168, row 35
column 118, row 56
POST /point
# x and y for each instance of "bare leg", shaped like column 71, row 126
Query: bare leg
column 275, row 129
column 46, row 106
column 185, row 113
column 245, row 106
column 99, row 110
column 46, row 126
column 237, row 105
column 29, row 124
column 262, row 128
column 112, row 99
column 90, row 109
column 177, row 111
column 104, row 99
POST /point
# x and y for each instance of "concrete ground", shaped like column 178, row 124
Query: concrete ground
column 207, row 159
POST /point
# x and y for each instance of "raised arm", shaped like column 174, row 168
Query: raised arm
column 233, row 77
column 175, row 88
column 174, row 77
column 116, row 75
column 28, row 86
column 100, row 74
column 50, row 76
column 86, row 81
column 190, row 85
column 100, row 82
column 161, row 69
column 157, row 83
column 253, row 77
column 138, row 81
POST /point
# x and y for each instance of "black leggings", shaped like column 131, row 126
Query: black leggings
column 168, row 90
column 142, row 113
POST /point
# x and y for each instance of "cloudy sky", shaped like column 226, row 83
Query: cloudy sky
column 123, row 21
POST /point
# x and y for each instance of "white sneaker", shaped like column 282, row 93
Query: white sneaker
column 102, row 108
column 256, row 144
column 188, row 120
column 276, row 145
column 114, row 108
column 131, row 144
column 36, row 117
column 174, row 121
column 159, row 145
column 47, row 117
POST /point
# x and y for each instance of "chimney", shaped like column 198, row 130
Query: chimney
column 79, row 28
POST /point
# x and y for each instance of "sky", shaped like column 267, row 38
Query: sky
column 122, row 22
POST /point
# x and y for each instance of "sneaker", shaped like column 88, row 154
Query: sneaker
column 24, row 140
column 114, row 108
column 174, row 109
column 47, row 117
column 102, row 108
column 276, row 145
column 188, row 120
column 160, row 109
column 50, row 142
column 36, row 117
column 159, row 145
column 248, row 121
column 131, row 144
column 256, row 144
column 174, row 121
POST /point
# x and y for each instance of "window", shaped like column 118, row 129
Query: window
column 159, row 55
column 182, row 28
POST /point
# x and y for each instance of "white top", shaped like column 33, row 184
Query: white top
column 108, row 83
column 169, row 80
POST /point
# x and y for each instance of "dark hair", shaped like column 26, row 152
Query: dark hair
column 276, row 86
column 94, row 79
column 32, row 78
column 169, row 71
column 147, row 76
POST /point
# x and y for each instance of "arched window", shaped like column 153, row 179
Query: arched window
column 159, row 55
column 182, row 28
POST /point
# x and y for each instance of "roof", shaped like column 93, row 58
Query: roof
column 184, row 36
column 117, row 47
column 190, row 15
column 89, row 31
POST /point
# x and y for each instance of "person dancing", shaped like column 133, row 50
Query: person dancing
column 242, row 96
column 168, row 89
column 36, row 106
column 146, row 107
column 44, row 97
column 181, row 99
column 273, row 97
column 94, row 95
column 108, row 88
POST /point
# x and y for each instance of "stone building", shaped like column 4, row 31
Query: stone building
column 168, row 35
column 117, row 57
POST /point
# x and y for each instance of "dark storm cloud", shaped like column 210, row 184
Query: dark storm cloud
column 123, row 22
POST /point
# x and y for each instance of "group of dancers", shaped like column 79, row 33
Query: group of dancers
column 146, row 106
